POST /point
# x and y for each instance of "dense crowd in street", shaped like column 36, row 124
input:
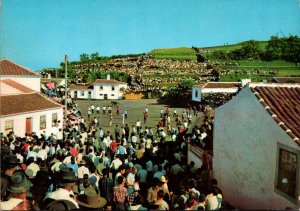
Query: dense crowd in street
column 123, row 168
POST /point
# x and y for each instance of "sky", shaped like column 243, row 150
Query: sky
column 38, row 33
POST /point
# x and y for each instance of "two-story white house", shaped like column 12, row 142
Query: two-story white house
column 101, row 89
column 23, row 109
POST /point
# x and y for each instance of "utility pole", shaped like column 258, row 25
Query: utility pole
column 66, row 76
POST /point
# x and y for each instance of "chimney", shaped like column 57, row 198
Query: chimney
column 108, row 77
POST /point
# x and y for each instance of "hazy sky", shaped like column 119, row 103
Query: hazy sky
column 38, row 33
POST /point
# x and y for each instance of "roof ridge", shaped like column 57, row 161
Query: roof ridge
column 25, row 68
column 277, row 119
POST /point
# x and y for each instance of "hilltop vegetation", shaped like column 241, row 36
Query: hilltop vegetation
column 183, row 53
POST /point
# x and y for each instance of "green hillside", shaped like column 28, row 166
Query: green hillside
column 262, row 45
column 185, row 53
column 182, row 53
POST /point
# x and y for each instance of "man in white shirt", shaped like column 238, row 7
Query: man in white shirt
column 82, row 170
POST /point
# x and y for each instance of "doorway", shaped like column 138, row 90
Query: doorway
column 28, row 125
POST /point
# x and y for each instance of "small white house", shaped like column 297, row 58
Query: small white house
column 22, row 108
column 29, row 112
column 101, row 89
column 257, row 149
column 214, row 87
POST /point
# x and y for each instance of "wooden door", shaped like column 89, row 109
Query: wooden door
column 28, row 125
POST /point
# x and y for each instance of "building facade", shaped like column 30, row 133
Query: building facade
column 257, row 149
column 101, row 89
column 23, row 108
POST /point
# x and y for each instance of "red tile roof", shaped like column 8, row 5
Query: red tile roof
column 17, row 86
column 222, row 85
column 83, row 87
column 9, row 68
column 16, row 104
column 283, row 104
column 105, row 81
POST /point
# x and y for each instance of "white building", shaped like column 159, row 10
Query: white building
column 99, row 90
column 23, row 108
column 257, row 149
column 214, row 87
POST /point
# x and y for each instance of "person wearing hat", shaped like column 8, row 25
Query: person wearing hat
column 40, row 186
column 9, row 165
column 67, row 181
column 19, row 190
column 82, row 170
column 91, row 199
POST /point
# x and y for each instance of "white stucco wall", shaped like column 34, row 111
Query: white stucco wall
column 32, row 82
column 198, row 98
column 219, row 90
column 245, row 150
column 79, row 96
column 20, row 122
column 107, row 89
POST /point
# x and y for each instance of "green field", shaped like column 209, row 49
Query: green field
column 262, row 45
column 182, row 53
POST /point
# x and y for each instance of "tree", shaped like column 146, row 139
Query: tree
column 94, row 56
column 84, row 57
column 186, row 85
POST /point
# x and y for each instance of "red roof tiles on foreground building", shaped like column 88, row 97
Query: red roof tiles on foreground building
column 283, row 104
column 15, row 85
column 9, row 68
column 16, row 104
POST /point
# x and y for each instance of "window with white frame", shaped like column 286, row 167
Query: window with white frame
column 42, row 122
column 287, row 165
column 100, row 88
column 82, row 93
column 9, row 126
column 113, row 88
column 196, row 93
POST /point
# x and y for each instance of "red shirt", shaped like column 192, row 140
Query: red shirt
column 74, row 151
column 113, row 146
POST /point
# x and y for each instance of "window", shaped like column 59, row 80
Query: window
column 101, row 88
column 112, row 95
column 101, row 94
column 82, row 93
column 287, row 172
column 9, row 126
column 54, row 120
column 42, row 122
column 112, row 88
column 196, row 93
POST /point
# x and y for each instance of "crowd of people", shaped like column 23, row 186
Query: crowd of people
column 85, row 167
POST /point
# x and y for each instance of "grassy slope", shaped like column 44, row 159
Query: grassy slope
column 184, row 53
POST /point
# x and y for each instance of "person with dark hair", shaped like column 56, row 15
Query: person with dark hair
column 120, row 194
column 162, row 204
column 106, row 186
column 201, row 204
column 214, row 200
